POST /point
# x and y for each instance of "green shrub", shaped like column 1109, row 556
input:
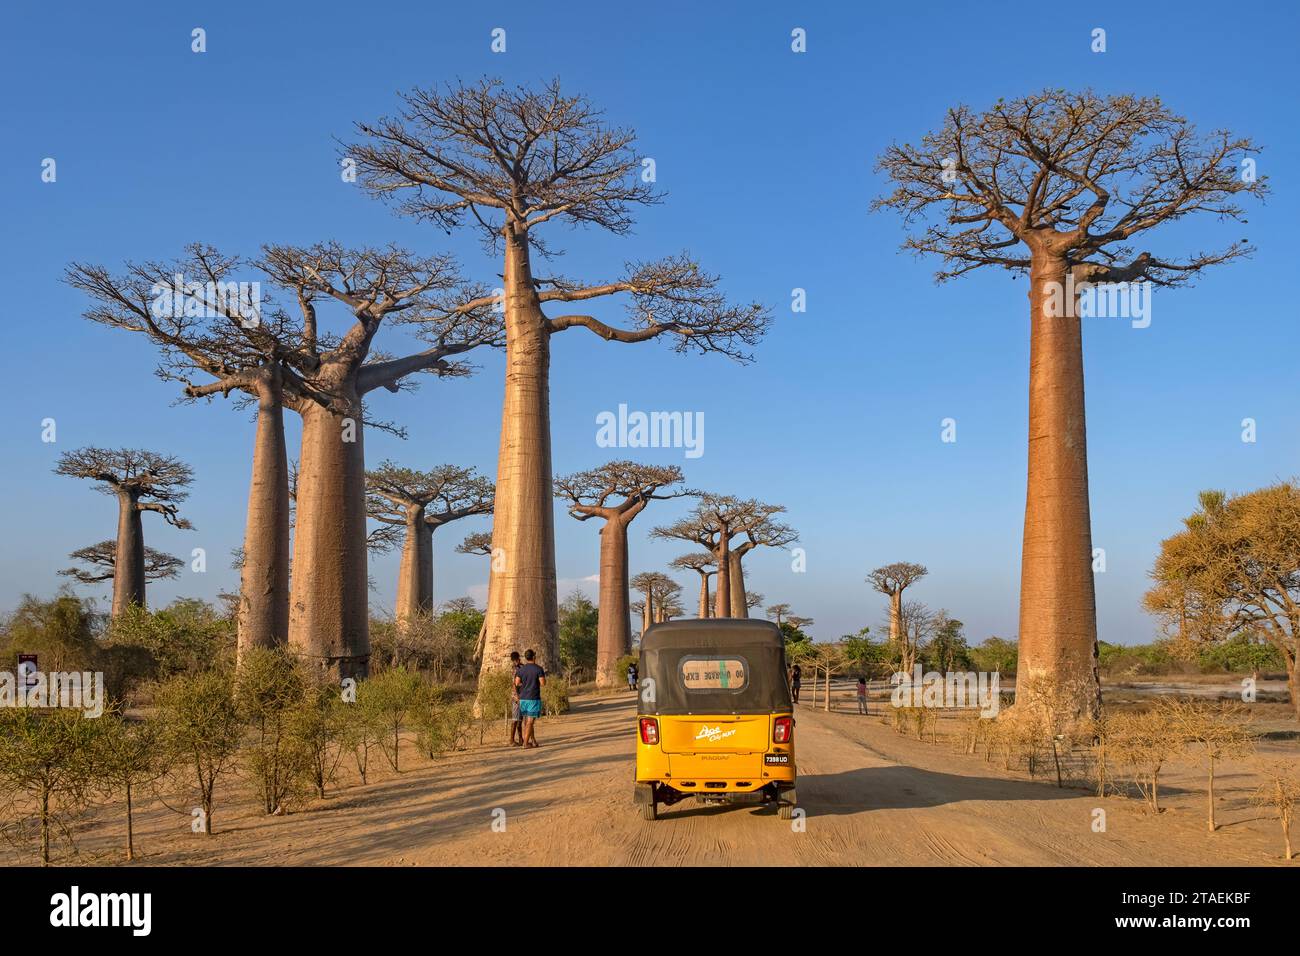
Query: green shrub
column 443, row 725
column 391, row 697
column 46, row 760
column 623, row 663
column 203, row 730
column 555, row 696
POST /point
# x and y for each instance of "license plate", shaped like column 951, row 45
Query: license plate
column 780, row 759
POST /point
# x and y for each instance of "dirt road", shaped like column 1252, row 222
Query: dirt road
column 871, row 798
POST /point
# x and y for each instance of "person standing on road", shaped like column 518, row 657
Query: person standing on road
column 862, row 695
column 796, row 677
column 529, row 681
column 516, row 722
column 632, row 675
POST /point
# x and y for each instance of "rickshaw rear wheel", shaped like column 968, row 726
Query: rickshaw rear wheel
column 650, row 812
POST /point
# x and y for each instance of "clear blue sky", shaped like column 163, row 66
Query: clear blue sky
column 767, row 159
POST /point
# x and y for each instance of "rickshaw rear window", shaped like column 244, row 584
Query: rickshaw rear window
column 713, row 673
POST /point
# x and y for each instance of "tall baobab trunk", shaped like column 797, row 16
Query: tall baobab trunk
column 739, row 600
column 264, row 577
column 522, row 605
column 128, row 561
column 704, row 595
column 614, row 628
column 647, row 615
column 415, row 575
column 1058, row 613
column 722, row 599
column 328, row 619
column 896, row 618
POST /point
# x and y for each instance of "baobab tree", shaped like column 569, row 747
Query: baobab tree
column 187, row 309
column 142, row 481
column 1061, row 186
column 660, row 591
column 798, row 623
column 712, row 524
column 617, row 493
column 760, row 530
column 701, row 562
column 101, row 559
column 778, row 613
column 517, row 161
column 752, row 600
column 413, row 505
column 328, row 615
column 892, row 580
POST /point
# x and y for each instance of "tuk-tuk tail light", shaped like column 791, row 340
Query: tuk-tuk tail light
column 649, row 730
column 782, row 730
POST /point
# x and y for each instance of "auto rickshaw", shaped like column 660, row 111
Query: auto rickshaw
column 714, row 717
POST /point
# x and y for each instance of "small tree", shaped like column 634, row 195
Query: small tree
column 1217, row 731
column 202, row 729
column 269, row 687
column 128, row 755
column 1281, row 792
column 317, row 728
column 363, row 729
column 390, row 697
column 46, row 759
column 1145, row 742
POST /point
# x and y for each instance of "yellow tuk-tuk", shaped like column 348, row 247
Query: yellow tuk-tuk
column 714, row 717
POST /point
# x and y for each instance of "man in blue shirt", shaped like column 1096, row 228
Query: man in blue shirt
column 529, row 681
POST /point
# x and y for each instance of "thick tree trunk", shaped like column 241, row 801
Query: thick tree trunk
column 896, row 619
column 614, row 628
column 1058, row 613
column 522, row 605
column 328, row 621
column 739, row 604
column 704, row 595
column 722, row 599
column 415, row 575
column 264, row 577
column 647, row 615
column 128, row 561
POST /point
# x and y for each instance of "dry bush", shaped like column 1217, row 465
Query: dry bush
column 1212, row 731
column 1143, row 742
column 1280, row 792
column 1097, row 732
column 914, row 720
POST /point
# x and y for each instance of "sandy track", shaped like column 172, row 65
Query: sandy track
column 871, row 798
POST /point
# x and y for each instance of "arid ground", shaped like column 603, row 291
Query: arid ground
column 871, row 796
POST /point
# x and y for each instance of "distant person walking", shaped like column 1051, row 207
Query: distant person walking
column 796, row 679
column 529, row 681
column 516, row 721
column 632, row 675
column 862, row 695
